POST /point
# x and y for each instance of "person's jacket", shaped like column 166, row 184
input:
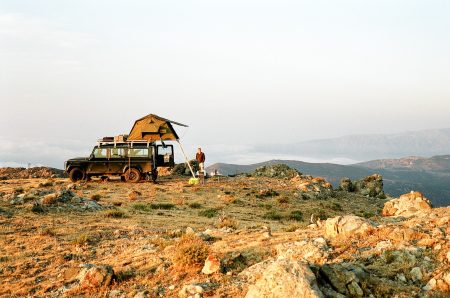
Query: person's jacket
column 200, row 157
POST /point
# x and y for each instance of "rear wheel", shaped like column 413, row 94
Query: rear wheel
column 132, row 175
column 77, row 174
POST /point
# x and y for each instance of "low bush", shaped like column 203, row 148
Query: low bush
column 37, row 208
column 96, row 197
column 296, row 215
column 209, row 213
column 273, row 215
column 115, row 213
column 190, row 250
column 195, row 205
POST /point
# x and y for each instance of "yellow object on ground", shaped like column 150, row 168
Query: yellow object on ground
column 194, row 181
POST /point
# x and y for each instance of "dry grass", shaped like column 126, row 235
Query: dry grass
column 190, row 250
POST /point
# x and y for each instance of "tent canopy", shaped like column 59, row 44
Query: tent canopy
column 154, row 128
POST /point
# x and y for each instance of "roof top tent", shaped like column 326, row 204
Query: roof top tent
column 152, row 128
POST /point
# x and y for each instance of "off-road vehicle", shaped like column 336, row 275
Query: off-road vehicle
column 132, row 161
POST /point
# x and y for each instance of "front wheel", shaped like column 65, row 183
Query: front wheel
column 132, row 175
column 77, row 174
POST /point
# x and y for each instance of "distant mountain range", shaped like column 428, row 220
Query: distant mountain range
column 428, row 175
column 368, row 147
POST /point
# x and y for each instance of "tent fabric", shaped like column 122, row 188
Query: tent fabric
column 153, row 128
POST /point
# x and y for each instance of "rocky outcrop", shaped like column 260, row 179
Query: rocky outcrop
column 407, row 205
column 283, row 278
column 346, row 226
column 371, row 186
column 36, row 172
column 276, row 171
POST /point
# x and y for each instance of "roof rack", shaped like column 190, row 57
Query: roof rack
column 130, row 143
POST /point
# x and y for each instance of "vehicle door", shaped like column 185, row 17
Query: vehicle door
column 98, row 162
column 117, row 160
column 164, row 156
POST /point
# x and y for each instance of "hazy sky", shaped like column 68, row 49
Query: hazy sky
column 238, row 72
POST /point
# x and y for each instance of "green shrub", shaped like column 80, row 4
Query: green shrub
column 115, row 213
column 209, row 213
column 37, row 208
column 283, row 200
column 96, row 197
column 195, row 205
column 336, row 207
column 296, row 215
column 164, row 206
column 273, row 215
column 19, row 189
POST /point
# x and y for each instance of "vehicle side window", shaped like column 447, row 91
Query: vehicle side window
column 101, row 153
column 139, row 152
column 118, row 153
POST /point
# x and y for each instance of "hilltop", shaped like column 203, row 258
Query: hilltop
column 233, row 237
column 427, row 175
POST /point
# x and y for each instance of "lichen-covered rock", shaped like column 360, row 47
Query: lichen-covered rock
column 285, row 278
column 346, row 226
column 407, row 205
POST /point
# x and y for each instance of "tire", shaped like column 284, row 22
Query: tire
column 132, row 175
column 77, row 174
column 154, row 175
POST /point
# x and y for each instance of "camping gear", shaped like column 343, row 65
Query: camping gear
column 152, row 128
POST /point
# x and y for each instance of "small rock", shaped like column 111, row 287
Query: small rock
column 430, row 285
column 416, row 274
column 190, row 290
column 401, row 277
column 212, row 265
column 143, row 294
column 189, row 231
column 171, row 287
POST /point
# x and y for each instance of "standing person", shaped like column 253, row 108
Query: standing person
column 200, row 157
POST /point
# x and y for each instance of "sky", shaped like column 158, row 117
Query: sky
column 239, row 73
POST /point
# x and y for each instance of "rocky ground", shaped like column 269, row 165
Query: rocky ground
column 276, row 233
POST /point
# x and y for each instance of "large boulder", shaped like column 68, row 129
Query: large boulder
column 284, row 278
column 407, row 205
column 347, row 225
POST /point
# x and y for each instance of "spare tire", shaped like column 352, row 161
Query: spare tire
column 132, row 175
column 77, row 174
